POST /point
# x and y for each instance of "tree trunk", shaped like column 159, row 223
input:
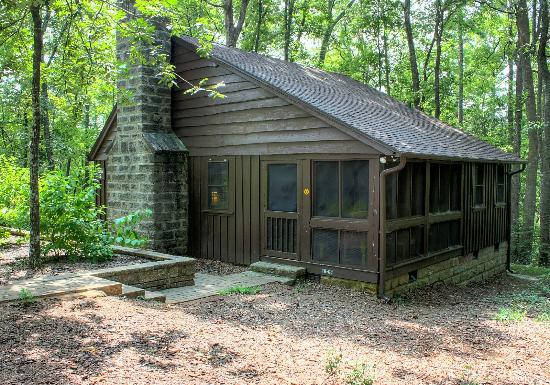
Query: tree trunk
column 412, row 55
column 461, row 67
column 259, row 25
column 330, row 29
column 38, row 35
column 387, row 68
column 544, row 253
column 522, row 21
column 438, row 33
column 232, row 30
column 289, row 14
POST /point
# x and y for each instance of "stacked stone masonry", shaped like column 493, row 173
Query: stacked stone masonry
column 489, row 262
column 140, row 173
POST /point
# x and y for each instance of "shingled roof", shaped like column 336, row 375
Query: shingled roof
column 358, row 107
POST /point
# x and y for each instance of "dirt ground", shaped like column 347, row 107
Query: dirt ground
column 283, row 335
column 13, row 264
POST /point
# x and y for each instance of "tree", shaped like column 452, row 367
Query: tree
column 524, row 53
column 331, row 22
column 38, row 38
column 232, row 30
column 412, row 54
column 544, row 254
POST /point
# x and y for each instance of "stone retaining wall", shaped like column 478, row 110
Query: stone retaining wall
column 488, row 263
column 166, row 272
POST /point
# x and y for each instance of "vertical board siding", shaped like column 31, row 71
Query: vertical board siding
column 232, row 236
column 483, row 226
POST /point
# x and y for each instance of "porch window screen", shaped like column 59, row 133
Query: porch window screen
column 341, row 189
column 218, row 174
column 348, row 248
column 403, row 245
column 500, row 186
column 405, row 191
column 445, row 187
column 443, row 235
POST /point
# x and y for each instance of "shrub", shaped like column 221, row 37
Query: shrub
column 14, row 194
column 70, row 220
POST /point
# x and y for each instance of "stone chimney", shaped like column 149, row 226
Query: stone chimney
column 147, row 164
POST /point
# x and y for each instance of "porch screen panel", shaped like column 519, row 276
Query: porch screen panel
column 325, row 245
column 282, row 187
column 325, row 189
column 355, row 189
column 353, row 248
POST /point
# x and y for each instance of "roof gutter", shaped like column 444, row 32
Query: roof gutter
column 509, row 214
column 382, row 227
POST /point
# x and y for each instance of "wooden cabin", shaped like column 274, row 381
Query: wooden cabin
column 300, row 166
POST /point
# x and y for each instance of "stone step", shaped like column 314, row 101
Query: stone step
column 132, row 292
column 290, row 271
column 154, row 296
column 59, row 285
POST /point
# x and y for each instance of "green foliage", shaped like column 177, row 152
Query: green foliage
column 332, row 367
column 26, row 298
column 361, row 374
column 71, row 223
column 240, row 290
column 123, row 230
column 14, row 196
column 534, row 301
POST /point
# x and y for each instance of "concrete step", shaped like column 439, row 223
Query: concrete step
column 132, row 292
column 279, row 269
column 154, row 296
column 53, row 286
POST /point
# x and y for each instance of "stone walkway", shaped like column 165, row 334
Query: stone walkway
column 207, row 285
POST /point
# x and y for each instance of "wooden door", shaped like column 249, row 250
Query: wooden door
column 281, row 208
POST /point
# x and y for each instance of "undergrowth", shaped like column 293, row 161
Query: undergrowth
column 240, row 290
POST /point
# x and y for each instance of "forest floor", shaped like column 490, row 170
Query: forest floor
column 13, row 262
column 497, row 333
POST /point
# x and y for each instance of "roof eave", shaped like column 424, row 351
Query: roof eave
column 99, row 141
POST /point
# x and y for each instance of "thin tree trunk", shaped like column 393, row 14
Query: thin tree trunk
column 387, row 67
column 330, row 29
column 522, row 21
column 34, row 246
column 232, row 30
column 412, row 55
column 289, row 14
column 544, row 253
column 461, row 68
column 437, row 67
column 259, row 25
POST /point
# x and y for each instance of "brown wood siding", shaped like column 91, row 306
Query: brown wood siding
column 486, row 225
column 249, row 120
column 234, row 235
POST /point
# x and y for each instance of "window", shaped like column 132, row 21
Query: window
column 500, row 193
column 403, row 245
column 443, row 235
column 479, row 185
column 445, row 187
column 218, row 173
column 341, row 188
column 282, row 185
column 349, row 248
column 405, row 191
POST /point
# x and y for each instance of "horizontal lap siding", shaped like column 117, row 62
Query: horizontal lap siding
column 484, row 226
column 249, row 120
column 231, row 237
